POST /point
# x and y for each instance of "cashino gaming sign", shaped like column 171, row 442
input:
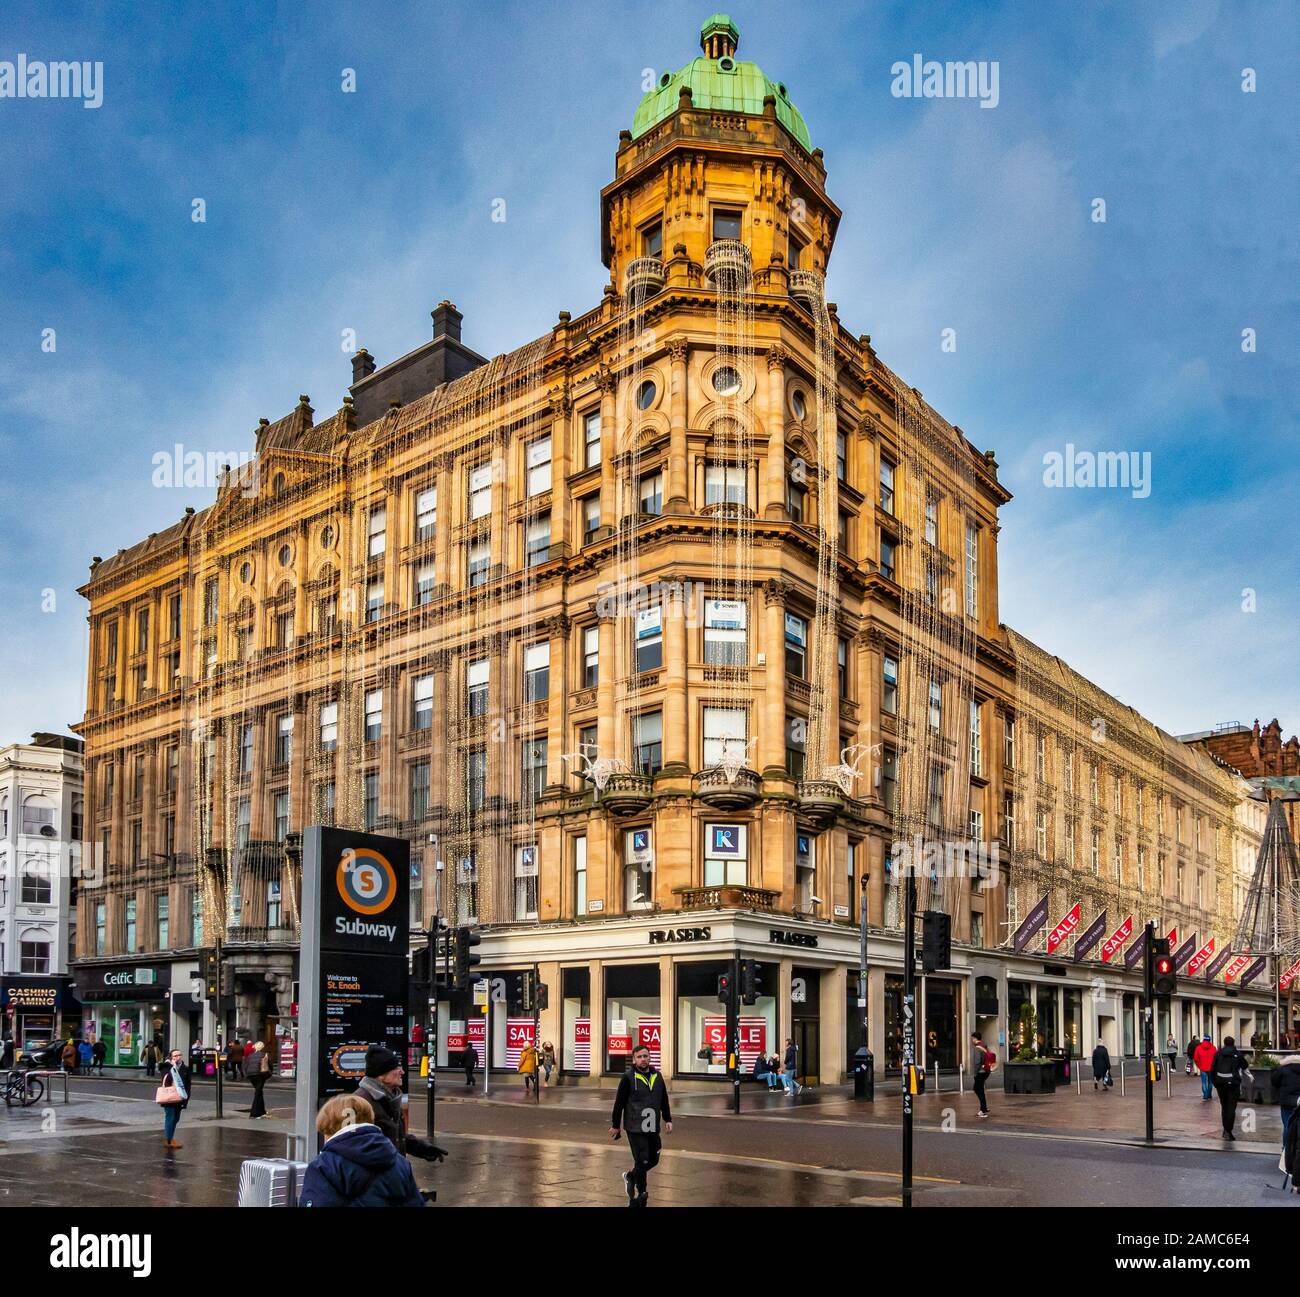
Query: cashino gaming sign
column 354, row 969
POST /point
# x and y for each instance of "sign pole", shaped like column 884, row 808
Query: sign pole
column 733, row 1032
column 909, row 1031
column 862, row 962
column 537, row 1044
column 1148, row 1028
column 221, row 1061
column 487, row 1037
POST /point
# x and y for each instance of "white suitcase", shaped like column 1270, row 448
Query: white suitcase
column 270, row 1182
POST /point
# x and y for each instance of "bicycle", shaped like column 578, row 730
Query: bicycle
column 23, row 1087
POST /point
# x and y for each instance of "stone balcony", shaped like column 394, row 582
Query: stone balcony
column 728, row 896
column 645, row 276
column 725, row 791
column 626, row 794
column 821, row 802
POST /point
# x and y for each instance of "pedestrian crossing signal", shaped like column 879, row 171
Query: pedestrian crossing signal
column 726, row 990
column 211, row 975
column 1164, row 979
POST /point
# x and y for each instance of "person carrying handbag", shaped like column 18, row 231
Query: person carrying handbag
column 257, row 1071
column 173, row 1096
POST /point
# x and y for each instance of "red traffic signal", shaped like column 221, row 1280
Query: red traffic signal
column 1164, row 980
column 725, row 989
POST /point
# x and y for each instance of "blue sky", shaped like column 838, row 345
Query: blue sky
column 328, row 211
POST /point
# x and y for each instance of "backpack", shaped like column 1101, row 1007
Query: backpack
column 990, row 1059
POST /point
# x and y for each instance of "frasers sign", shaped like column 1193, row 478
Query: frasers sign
column 660, row 935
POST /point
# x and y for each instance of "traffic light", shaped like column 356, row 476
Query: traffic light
column 1164, row 980
column 211, row 975
column 466, row 940
column 543, row 997
column 936, row 940
column 726, row 991
column 751, row 981
column 421, row 965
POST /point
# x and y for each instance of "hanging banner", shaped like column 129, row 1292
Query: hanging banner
column 1284, row 982
column 1200, row 959
column 1184, row 952
column 1090, row 938
column 1254, row 970
column 1025, row 932
column 1233, row 970
column 1172, row 937
column 1063, row 929
column 1217, row 963
column 1115, row 942
column 1134, row 952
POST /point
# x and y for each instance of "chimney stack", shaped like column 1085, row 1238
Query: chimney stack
column 446, row 321
column 363, row 365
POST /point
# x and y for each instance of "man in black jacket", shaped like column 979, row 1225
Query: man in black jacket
column 1226, row 1072
column 1285, row 1085
column 381, row 1087
column 641, row 1108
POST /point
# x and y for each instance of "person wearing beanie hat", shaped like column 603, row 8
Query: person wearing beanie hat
column 381, row 1087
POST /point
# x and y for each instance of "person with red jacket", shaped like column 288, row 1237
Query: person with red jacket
column 1204, row 1060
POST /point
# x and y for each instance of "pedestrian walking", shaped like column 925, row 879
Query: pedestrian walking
column 982, row 1063
column 1171, row 1050
column 1101, row 1066
column 69, row 1056
column 528, row 1066
column 469, row 1060
column 85, row 1055
column 257, row 1071
column 1284, row 1085
column 149, row 1056
column 788, row 1067
column 1228, row 1068
column 547, row 1061
column 98, row 1054
column 234, row 1058
column 381, row 1087
column 641, row 1108
column 173, row 1095
column 1203, row 1056
column 1191, row 1049
column 358, row 1166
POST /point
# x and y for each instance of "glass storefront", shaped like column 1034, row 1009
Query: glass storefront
column 1130, row 1025
column 631, row 1013
column 702, row 1020
column 894, row 1021
column 1048, row 997
column 941, row 1003
column 1017, row 996
column 1074, row 1021
column 125, row 1027
column 575, row 1020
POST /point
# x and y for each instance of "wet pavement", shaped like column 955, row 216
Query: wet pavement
column 820, row 1149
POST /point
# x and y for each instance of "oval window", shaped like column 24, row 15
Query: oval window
column 666, row 78
column 326, row 537
column 285, row 554
column 726, row 65
column 726, row 381
column 246, row 573
column 645, row 395
column 798, row 405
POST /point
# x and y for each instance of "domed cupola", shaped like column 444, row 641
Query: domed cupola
column 721, row 82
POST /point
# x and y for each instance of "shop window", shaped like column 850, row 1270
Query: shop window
column 638, row 868
column 575, row 1019
column 701, row 1022
column 726, row 855
column 632, row 1013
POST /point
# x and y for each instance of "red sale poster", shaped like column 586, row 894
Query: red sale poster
column 519, row 1032
column 478, row 1039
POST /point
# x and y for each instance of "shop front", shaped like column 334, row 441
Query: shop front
column 33, row 1010
column 126, row 1008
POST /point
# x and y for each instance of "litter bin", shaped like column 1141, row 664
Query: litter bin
column 864, row 1074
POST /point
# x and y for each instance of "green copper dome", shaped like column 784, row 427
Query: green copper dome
column 721, row 82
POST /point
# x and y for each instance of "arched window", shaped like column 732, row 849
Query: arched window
column 38, row 816
column 34, row 949
column 36, row 882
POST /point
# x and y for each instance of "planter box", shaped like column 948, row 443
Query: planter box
column 1260, row 1089
column 1029, row 1078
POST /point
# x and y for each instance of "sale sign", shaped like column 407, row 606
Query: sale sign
column 1115, row 942
column 1200, row 959
column 647, row 1034
column 478, row 1039
column 753, row 1039
column 1063, row 929
column 582, row 1044
column 1284, row 982
column 1235, row 968
column 519, row 1032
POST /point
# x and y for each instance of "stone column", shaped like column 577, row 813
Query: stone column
column 833, row 1030
column 390, row 795
column 667, row 1017
column 608, row 385
column 150, row 815
column 605, row 718
column 558, row 630
column 561, row 442
column 675, row 719
column 299, row 798
column 259, row 815
column 773, row 505
column 772, row 733
column 596, row 972
column 499, row 546
column 501, row 694
column 392, row 503
column 678, row 414
column 442, row 524
column 301, row 575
